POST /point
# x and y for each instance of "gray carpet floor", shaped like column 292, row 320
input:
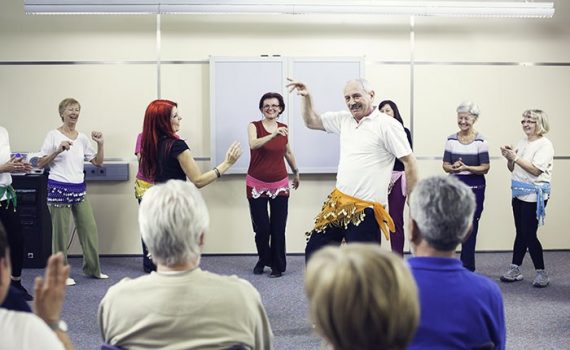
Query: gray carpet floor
column 536, row 318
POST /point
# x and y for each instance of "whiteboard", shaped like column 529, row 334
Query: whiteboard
column 237, row 84
column 317, row 151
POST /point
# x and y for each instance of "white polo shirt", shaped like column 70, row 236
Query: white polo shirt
column 367, row 152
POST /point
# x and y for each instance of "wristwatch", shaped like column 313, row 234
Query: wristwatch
column 58, row 326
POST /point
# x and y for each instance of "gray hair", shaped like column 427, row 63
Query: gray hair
column 442, row 208
column 365, row 84
column 468, row 107
column 541, row 119
column 172, row 217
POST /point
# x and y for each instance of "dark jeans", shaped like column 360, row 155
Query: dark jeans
column 11, row 221
column 526, row 225
column 366, row 231
column 269, row 228
column 477, row 184
column 396, row 203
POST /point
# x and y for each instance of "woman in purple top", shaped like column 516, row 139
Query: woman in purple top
column 466, row 156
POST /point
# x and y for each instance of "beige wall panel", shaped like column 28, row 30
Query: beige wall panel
column 113, row 100
column 500, row 39
column 75, row 38
column 188, row 85
column 190, row 37
column 502, row 93
column 391, row 82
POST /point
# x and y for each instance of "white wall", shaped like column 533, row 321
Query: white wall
column 114, row 97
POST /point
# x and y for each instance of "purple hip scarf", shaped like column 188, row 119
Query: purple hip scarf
column 63, row 194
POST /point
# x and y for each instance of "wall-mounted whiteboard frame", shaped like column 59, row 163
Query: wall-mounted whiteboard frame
column 237, row 83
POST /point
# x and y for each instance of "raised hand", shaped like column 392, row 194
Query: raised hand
column 297, row 86
column 233, row 153
column 97, row 136
column 49, row 291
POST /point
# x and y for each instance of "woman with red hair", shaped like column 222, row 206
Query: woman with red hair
column 164, row 156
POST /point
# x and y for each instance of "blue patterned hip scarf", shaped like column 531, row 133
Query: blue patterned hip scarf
column 63, row 194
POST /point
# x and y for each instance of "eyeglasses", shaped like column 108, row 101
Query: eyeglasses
column 271, row 106
column 523, row 122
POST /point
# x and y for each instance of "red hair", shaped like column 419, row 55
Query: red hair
column 156, row 127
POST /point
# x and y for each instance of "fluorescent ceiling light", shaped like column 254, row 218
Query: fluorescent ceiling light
column 391, row 8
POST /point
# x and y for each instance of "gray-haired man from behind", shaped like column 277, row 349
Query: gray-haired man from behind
column 181, row 306
column 459, row 309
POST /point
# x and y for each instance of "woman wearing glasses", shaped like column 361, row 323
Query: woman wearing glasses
column 531, row 166
column 164, row 156
column 267, row 183
column 466, row 156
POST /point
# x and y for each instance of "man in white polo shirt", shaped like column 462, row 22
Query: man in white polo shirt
column 370, row 141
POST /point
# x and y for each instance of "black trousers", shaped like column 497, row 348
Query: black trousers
column 11, row 221
column 269, row 228
column 366, row 231
column 526, row 225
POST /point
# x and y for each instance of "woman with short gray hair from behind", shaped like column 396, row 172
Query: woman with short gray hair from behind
column 466, row 157
column 350, row 309
column 530, row 163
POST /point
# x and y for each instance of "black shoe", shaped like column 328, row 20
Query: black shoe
column 275, row 274
column 149, row 269
column 23, row 292
column 258, row 269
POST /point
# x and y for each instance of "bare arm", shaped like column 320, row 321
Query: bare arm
column 255, row 142
column 310, row 117
column 411, row 171
column 192, row 171
column 290, row 157
column 99, row 157
column 46, row 160
column 512, row 159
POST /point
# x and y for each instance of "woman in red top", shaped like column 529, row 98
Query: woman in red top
column 267, row 182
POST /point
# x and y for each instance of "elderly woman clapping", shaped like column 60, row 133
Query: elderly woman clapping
column 466, row 156
column 531, row 166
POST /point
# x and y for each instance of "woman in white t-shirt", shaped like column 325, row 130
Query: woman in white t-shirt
column 64, row 150
column 531, row 165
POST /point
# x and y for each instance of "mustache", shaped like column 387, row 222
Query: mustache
column 355, row 106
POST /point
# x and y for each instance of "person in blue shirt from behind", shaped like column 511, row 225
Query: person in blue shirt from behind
column 459, row 309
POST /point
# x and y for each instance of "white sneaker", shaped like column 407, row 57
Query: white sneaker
column 102, row 276
column 69, row 282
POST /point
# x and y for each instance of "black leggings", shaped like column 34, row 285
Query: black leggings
column 526, row 225
column 11, row 221
column 269, row 228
